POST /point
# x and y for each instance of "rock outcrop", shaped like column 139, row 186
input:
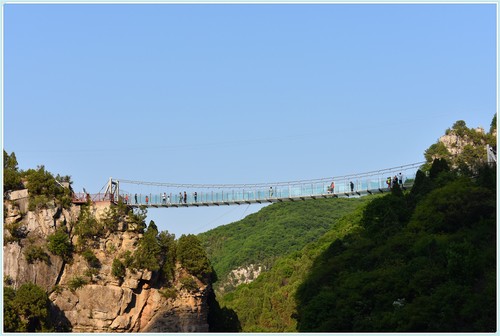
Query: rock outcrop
column 91, row 299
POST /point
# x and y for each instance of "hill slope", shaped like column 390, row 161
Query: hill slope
column 255, row 242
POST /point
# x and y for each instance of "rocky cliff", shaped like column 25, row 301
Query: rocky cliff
column 92, row 299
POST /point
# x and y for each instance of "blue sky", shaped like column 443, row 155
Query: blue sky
column 239, row 93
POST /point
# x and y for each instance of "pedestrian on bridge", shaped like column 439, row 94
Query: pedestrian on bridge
column 270, row 191
column 195, row 197
column 185, row 197
column 180, row 197
column 352, row 186
column 332, row 188
column 147, row 199
column 164, row 198
column 135, row 198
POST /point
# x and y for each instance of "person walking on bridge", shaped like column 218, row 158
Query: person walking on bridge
column 135, row 196
column 185, row 197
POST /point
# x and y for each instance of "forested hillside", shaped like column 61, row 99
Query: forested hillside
column 417, row 261
column 268, row 304
column 422, row 262
column 275, row 231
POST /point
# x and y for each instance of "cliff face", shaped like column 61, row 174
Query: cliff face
column 92, row 299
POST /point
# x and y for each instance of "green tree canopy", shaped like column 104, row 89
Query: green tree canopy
column 11, row 174
column 193, row 257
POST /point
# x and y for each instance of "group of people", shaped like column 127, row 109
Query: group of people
column 392, row 181
column 331, row 188
column 165, row 198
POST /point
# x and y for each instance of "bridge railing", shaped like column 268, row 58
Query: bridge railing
column 85, row 197
column 258, row 193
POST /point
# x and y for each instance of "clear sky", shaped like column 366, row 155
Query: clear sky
column 239, row 93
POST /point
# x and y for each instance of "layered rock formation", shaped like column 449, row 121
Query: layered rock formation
column 91, row 299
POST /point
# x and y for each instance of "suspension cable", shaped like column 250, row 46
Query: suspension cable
column 258, row 185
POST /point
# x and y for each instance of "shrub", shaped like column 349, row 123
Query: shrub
column 189, row 284
column 17, row 232
column 30, row 303
column 118, row 268
column 169, row 293
column 87, row 228
column 76, row 283
column 43, row 187
column 91, row 258
column 128, row 259
column 59, row 244
column 33, row 253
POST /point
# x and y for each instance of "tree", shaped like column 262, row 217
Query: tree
column 11, row 320
column 31, row 303
column 148, row 252
column 11, row 174
column 193, row 257
column 168, row 248
column 43, row 188
column 59, row 244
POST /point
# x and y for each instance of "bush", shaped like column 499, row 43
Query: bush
column 128, row 259
column 87, row 228
column 59, row 244
column 91, row 259
column 169, row 293
column 189, row 284
column 43, row 187
column 17, row 232
column 118, row 268
column 76, row 283
column 30, row 304
column 33, row 253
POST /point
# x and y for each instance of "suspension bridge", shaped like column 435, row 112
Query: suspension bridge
column 178, row 195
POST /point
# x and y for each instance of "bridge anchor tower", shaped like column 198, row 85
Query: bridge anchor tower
column 112, row 190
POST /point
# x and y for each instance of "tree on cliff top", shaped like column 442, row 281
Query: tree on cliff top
column 11, row 174
column 193, row 257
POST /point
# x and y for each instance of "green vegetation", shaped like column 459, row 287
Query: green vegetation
column 91, row 259
column 268, row 303
column 274, row 231
column 26, row 310
column 43, row 188
column 418, row 261
column 189, row 284
column 33, row 253
column 118, row 269
column 193, row 257
column 473, row 154
column 59, row 244
column 11, row 173
column 169, row 293
column 421, row 261
column 428, row 266
column 16, row 230
column 76, row 282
